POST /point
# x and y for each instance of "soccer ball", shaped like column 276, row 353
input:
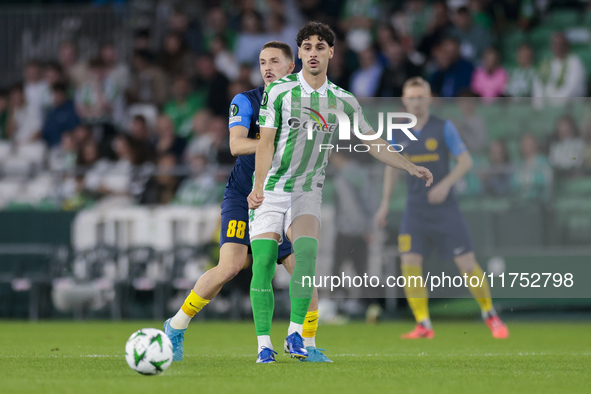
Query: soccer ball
column 148, row 351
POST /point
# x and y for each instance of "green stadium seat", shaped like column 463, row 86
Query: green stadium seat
column 540, row 37
column 561, row 19
column 575, row 187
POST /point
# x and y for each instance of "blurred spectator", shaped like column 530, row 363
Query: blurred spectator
column 117, row 72
column 212, row 83
column 217, row 23
column 63, row 157
column 533, row 177
column 161, row 187
column 365, row 81
column 148, row 83
column 183, row 105
column 250, row 39
column 24, row 122
column 338, row 69
column 563, row 75
column 224, row 60
column 496, row 179
column 61, row 118
column 566, row 151
column 106, row 177
column 490, row 79
column 81, row 135
column 175, row 57
column 200, row 188
column 278, row 30
column 473, row 38
column 586, row 136
column 100, row 96
column 453, row 73
column 53, row 73
column 356, row 20
column 437, row 29
column 522, row 78
column 413, row 19
column 479, row 15
column 142, row 40
column 190, row 30
column 68, row 59
column 398, row 69
column 3, row 114
column 201, row 142
column 141, row 136
column 168, row 141
column 37, row 91
column 471, row 126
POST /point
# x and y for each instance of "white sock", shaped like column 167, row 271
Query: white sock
column 310, row 342
column 295, row 327
column 180, row 321
column 427, row 323
column 264, row 341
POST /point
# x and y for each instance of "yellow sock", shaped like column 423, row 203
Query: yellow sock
column 481, row 293
column 310, row 324
column 417, row 297
column 193, row 304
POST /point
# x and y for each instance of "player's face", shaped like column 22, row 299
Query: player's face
column 274, row 65
column 416, row 100
column 315, row 54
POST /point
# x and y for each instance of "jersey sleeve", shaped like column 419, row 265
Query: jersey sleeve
column 355, row 107
column 240, row 111
column 452, row 139
column 270, row 113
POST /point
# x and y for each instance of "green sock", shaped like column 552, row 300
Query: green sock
column 301, row 284
column 264, row 261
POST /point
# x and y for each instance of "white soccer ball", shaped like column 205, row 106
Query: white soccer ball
column 148, row 351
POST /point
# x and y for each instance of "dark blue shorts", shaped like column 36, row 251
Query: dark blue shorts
column 442, row 228
column 235, row 223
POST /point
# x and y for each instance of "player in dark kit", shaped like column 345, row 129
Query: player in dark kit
column 276, row 61
column 432, row 217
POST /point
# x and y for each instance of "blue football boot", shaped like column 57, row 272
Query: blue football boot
column 294, row 345
column 315, row 356
column 266, row 356
column 176, row 337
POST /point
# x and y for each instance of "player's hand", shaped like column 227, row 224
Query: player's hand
column 422, row 173
column 439, row 193
column 380, row 216
column 255, row 198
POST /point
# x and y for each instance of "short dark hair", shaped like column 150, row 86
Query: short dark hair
column 60, row 87
column 286, row 49
column 322, row 30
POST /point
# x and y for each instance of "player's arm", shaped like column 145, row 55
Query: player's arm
column 239, row 122
column 269, row 121
column 390, row 180
column 378, row 149
column 263, row 161
column 240, row 144
column 457, row 148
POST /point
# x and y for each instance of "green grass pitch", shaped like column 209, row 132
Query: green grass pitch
column 68, row 357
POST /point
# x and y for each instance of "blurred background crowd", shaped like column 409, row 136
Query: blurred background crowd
column 114, row 149
column 95, row 117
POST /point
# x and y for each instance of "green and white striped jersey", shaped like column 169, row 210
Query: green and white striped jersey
column 288, row 104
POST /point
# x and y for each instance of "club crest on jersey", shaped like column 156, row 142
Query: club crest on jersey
column 265, row 98
column 431, row 144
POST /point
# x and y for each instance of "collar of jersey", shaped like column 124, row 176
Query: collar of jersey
column 308, row 89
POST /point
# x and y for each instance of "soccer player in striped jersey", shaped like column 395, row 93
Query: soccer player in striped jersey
column 289, row 175
column 276, row 60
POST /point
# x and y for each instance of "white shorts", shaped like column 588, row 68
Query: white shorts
column 279, row 209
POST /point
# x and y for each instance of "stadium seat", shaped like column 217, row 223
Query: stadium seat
column 5, row 148
column 16, row 166
column 10, row 189
column 561, row 19
column 38, row 189
column 34, row 152
column 575, row 187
